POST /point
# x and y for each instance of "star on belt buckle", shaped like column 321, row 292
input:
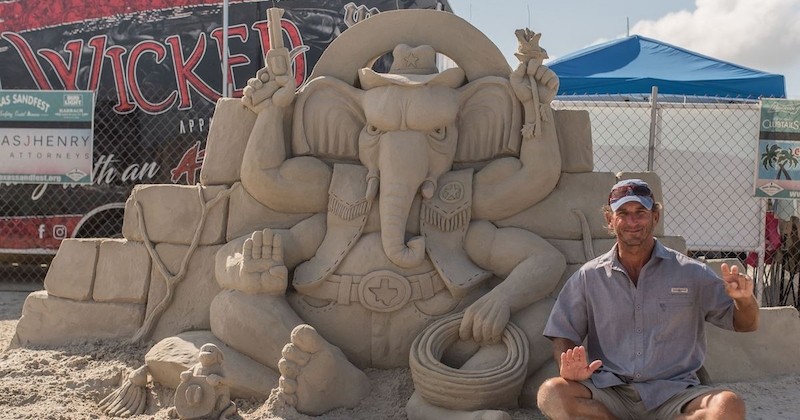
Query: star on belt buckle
column 384, row 291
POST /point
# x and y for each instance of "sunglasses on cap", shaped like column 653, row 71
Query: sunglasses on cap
column 629, row 190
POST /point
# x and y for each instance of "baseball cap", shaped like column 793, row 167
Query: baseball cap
column 629, row 190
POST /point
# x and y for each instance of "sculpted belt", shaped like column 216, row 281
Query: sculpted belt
column 380, row 291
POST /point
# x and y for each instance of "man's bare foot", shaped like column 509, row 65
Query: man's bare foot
column 316, row 377
column 418, row 408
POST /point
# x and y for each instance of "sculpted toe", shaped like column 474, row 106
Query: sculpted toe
column 287, row 385
column 292, row 353
column 307, row 339
column 288, row 369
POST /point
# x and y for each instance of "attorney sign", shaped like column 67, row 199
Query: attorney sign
column 46, row 137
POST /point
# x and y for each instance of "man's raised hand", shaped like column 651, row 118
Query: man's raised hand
column 737, row 285
column 574, row 366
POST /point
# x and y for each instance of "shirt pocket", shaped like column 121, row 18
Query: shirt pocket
column 675, row 319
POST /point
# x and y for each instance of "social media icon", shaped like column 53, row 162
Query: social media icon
column 60, row 232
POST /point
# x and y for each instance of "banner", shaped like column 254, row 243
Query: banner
column 778, row 154
column 46, row 136
column 156, row 69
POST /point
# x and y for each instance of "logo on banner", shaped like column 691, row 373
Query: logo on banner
column 771, row 188
column 73, row 100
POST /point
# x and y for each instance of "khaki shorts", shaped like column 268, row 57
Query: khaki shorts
column 624, row 401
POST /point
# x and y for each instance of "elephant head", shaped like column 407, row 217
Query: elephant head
column 407, row 127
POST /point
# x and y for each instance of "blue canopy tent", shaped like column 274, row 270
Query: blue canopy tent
column 633, row 65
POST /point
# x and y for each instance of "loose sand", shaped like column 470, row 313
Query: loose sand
column 68, row 383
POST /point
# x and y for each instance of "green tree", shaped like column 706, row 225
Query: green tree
column 774, row 156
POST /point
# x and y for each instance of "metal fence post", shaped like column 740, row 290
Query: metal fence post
column 651, row 150
column 762, row 246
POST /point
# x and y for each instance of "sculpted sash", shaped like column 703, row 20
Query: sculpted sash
column 347, row 213
column 444, row 220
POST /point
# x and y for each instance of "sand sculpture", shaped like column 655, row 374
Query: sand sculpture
column 203, row 391
column 364, row 220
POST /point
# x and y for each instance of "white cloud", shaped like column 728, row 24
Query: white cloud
column 762, row 34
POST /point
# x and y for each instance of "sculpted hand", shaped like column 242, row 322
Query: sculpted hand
column 546, row 79
column 268, row 90
column 574, row 366
column 485, row 320
column 262, row 269
column 737, row 285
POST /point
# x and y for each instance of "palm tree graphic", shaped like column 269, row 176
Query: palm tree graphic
column 774, row 156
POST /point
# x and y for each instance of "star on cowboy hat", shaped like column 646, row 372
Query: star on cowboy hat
column 412, row 66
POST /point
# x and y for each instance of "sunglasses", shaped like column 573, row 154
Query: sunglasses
column 629, row 190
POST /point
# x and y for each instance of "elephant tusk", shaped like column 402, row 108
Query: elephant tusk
column 373, row 181
column 428, row 188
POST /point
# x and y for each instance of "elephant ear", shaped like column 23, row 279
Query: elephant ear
column 489, row 122
column 328, row 118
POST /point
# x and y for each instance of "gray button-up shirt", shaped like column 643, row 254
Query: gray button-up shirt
column 651, row 335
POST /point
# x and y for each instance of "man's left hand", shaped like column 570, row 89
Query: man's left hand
column 738, row 285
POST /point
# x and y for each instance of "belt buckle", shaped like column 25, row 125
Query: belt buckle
column 384, row 291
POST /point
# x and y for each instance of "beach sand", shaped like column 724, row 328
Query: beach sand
column 68, row 383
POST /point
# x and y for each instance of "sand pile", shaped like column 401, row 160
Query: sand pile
column 68, row 383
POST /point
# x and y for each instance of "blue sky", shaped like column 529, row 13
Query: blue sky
column 760, row 34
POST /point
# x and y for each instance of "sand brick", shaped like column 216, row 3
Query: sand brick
column 123, row 272
column 71, row 274
column 172, row 214
column 50, row 320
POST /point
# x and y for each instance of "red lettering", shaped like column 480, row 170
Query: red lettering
column 295, row 39
column 124, row 104
column 234, row 60
column 190, row 163
column 68, row 73
column 133, row 63
column 185, row 71
column 26, row 52
column 263, row 36
column 98, row 45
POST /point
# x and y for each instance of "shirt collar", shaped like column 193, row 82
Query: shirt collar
column 610, row 259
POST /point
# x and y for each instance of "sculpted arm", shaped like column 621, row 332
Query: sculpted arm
column 296, row 185
column 531, row 267
column 508, row 186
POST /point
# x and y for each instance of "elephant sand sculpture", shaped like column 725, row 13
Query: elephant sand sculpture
column 397, row 237
column 396, row 241
column 400, row 206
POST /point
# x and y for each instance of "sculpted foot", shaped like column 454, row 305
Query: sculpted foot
column 316, row 377
column 418, row 408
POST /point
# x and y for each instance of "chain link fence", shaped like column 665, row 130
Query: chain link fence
column 130, row 148
column 704, row 154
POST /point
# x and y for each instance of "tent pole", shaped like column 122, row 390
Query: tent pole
column 653, row 121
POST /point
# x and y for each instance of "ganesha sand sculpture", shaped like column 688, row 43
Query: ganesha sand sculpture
column 363, row 285
column 398, row 214
column 357, row 278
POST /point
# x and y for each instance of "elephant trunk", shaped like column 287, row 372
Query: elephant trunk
column 403, row 167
